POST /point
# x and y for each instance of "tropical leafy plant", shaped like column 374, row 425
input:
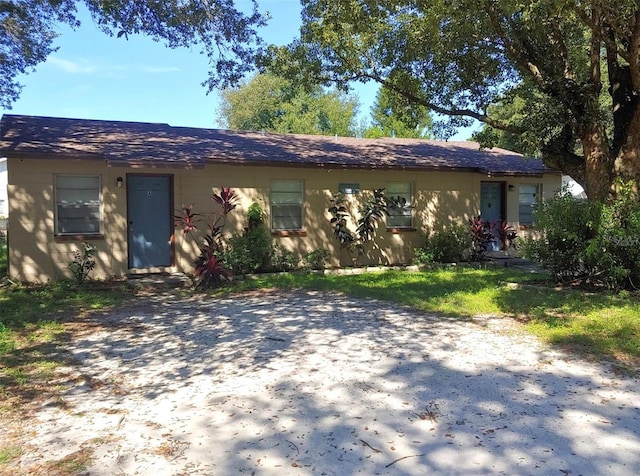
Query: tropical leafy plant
column 506, row 234
column 373, row 208
column 186, row 219
column 210, row 269
column 209, row 265
column 283, row 259
column 83, row 262
column 481, row 237
column 339, row 218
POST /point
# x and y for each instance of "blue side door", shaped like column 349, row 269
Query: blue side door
column 492, row 207
column 492, row 201
column 149, row 220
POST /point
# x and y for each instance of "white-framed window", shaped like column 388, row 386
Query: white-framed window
column 401, row 216
column 286, row 198
column 530, row 195
column 349, row 188
column 78, row 209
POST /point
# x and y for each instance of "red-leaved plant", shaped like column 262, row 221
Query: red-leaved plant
column 210, row 269
column 481, row 236
column 187, row 219
column 209, row 265
column 506, row 234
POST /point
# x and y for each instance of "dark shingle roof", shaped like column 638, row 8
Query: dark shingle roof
column 140, row 144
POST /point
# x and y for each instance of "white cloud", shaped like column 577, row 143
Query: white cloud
column 83, row 66
column 73, row 67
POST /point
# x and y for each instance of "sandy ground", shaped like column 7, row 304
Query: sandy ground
column 309, row 383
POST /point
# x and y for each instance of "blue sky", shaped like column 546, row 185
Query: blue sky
column 94, row 76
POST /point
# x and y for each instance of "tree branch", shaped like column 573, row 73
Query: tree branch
column 510, row 49
column 444, row 111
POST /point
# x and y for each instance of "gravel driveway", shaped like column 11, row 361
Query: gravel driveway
column 307, row 383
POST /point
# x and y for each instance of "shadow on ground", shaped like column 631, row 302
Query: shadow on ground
column 308, row 382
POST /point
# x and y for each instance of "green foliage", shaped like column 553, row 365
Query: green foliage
column 339, row 217
column 274, row 104
column 394, row 116
column 283, row 259
column 590, row 242
column 316, row 259
column 255, row 216
column 83, row 262
column 372, row 208
column 448, row 244
column 4, row 257
column 249, row 251
column 226, row 35
column 423, row 256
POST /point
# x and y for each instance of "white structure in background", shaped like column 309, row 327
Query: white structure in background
column 574, row 187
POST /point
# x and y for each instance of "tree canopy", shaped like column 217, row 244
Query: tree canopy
column 394, row 116
column 459, row 58
column 272, row 103
column 227, row 35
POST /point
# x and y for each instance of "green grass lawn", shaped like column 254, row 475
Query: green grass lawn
column 3, row 258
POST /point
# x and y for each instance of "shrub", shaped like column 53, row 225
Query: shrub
column 591, row 242
column 566, row 226
column 284, row 260
column 446, row 245
column 4, row 257
column 316, row 259
column 249, row 251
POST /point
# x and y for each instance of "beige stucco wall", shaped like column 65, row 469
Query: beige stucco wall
column 36, row 255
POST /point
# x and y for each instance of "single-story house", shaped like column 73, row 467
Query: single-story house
column 119, row 184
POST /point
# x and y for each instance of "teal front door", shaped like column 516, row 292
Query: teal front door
column 492, row 208
column 492, row 201
column 150, row 226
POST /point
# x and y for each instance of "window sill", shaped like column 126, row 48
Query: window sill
column 401, row 229
column 78, row 237
column 288, row 232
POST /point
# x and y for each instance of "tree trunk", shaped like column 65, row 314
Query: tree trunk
column 598, row 167
column 627, row 162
